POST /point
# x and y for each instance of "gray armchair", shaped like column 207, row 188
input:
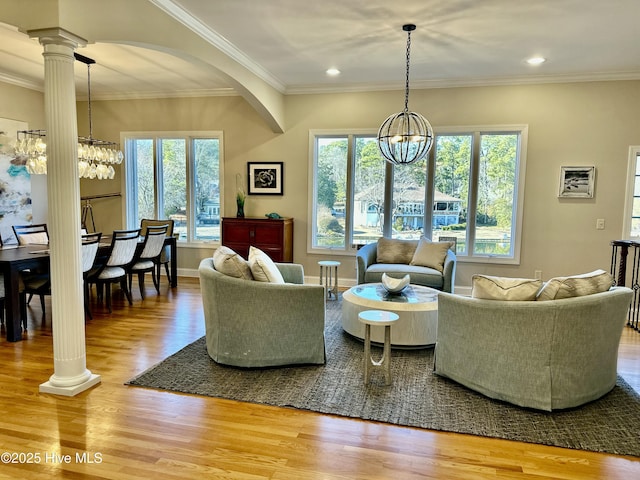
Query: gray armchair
column 259, row 324
column 540, row 354
column 369, row 271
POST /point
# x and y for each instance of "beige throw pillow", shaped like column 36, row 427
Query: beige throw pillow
column 263, row 268
column 228, row 262
column 431, row 254
column 391, row 250
column 504, row 288
column 576, row 285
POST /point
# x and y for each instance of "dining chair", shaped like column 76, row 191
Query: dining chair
column 121, row 253
column 90, row 244
column 31, row 234
column 165, row 257
column 149, row 258
column 34, row 281
column 2, row 293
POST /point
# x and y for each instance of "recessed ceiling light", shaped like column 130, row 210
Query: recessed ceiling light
column 536, row 60
column 333, row 72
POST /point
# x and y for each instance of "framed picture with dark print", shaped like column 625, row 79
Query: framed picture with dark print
column 577, row 182
column 265, row 178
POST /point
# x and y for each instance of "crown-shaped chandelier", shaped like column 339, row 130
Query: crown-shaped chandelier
column 405, row 137
column 96, row 158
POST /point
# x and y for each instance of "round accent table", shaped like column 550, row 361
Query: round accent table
column 417, row 307
column 329, row 275
column 384, row 319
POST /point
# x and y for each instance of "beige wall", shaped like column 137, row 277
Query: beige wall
column 569, row 124
column 26, row 105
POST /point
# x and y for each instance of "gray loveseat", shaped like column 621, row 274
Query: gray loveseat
column 259, row 324
column 370, row 270
column 545, row 355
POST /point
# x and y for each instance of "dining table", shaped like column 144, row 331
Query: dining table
column 14, row 259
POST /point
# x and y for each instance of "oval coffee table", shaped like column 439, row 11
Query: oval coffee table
column 417, row 307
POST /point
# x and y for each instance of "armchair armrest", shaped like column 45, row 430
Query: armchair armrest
column 291, row 272
column 449, row 272
column 364, row 257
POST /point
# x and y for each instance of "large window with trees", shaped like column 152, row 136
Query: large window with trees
column 472, row 183
column 175, row 176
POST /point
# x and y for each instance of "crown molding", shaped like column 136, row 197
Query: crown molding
column 21, row 82
column 218, row 41
column 142, row 95
column 467, row 82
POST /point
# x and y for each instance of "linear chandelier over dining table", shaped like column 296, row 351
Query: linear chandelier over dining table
column 96, row 158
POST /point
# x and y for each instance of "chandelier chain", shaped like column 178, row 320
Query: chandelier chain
column 406, row 92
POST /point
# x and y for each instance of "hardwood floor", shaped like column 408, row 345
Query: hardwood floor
column 132, row 433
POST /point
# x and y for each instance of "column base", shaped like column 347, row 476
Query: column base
column 70, row 391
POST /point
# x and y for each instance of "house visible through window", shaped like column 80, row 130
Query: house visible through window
column 177, row 177
column 475, row 193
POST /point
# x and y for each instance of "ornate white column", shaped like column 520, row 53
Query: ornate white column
column 71, row 375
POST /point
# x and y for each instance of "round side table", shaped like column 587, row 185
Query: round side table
column 329, row 276
column 382, row 318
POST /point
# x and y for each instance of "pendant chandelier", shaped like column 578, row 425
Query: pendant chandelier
column 405, row 137
column 96, row 158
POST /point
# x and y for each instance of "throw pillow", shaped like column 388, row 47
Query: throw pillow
column 431, row 254
column 263, row 268
column 392, row 250
column 576, row 285
column 228, row 262
column 504, row 288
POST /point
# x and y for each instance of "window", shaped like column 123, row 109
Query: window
column 475, row 193
column 631, row 224
column 178, row 177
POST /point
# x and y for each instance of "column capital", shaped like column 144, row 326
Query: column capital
column 57, row 36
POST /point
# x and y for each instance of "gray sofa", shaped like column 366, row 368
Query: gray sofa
column 370, row 271
column 259, row 324
column 545, row 355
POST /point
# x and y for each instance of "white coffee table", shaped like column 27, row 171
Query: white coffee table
column 417, row 307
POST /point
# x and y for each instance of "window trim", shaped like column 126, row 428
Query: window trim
column 634, row 159
column 189, row 137
column 476, row 132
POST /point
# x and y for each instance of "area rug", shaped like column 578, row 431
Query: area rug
column 416, row 398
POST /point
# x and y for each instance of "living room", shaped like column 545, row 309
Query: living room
column 578, row 123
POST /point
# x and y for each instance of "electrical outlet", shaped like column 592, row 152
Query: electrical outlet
column 537, row 274
column 600, row 224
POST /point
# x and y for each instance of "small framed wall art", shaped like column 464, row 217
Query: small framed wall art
column 265, row 178
column 577, row 182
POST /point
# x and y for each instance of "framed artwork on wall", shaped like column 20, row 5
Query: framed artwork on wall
column 15, row 194
column 265, row 178
column 577, row 182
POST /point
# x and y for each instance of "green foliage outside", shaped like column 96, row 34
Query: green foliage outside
column 453, row 153
column 173, row 159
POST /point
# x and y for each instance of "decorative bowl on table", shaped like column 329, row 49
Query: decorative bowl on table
column 394, row 285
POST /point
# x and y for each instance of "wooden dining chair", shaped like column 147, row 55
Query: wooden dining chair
column 149, row 258
column 35, row 281
column 121, row 253
column 2, row 293
column 31, row 234
column 165, row 257
column 90, row 244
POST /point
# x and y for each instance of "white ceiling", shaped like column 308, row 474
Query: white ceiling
column 291, row 44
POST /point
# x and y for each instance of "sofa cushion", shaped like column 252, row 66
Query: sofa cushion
column 504, row 288
column 392, row 250
column 230, row 263
column 576, row 285
column 431, row 254
column 262, row 267
column 429, row 277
